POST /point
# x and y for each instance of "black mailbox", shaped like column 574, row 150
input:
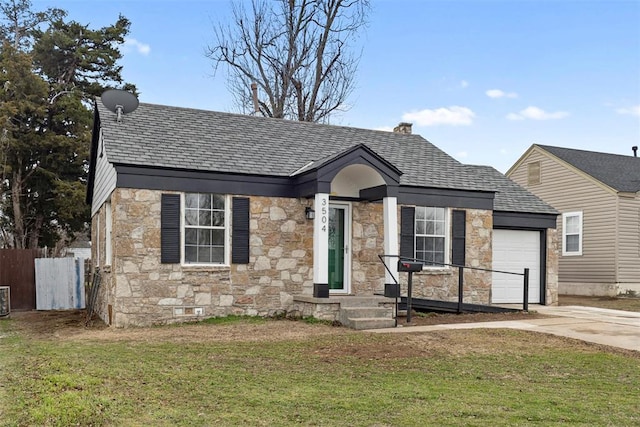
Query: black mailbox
column 409, row 266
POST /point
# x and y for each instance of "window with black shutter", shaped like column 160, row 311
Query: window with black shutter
column 459, row 220
column 170, row 228
column 240, row 230
column 407, row 234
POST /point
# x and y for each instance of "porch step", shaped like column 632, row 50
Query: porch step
column 366, row 317
column 362, row 323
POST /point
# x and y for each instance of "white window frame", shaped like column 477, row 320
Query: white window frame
column 227, row 233
column 108, row 227
column 447, row 237
column 566, row 216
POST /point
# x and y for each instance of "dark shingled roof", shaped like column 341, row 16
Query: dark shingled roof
column 183, row 138
column 189, row 139
column 510, row 197
column 622, row 173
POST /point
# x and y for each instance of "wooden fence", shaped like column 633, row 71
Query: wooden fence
column 17, row 270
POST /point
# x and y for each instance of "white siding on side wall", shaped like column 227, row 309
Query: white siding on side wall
column 105, row 179
column 569, row 191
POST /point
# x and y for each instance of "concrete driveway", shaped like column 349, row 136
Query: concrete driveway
column 597, row 325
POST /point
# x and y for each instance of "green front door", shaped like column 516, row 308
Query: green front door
column 337, row 248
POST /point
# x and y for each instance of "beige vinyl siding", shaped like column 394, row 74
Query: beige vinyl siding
column 105, row 179
column 569, row 191
column 628, row 240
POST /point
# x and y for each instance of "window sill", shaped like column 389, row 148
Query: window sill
column 436, row 271
column 205, row 267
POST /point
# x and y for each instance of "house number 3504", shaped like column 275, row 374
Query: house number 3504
column 324, row 218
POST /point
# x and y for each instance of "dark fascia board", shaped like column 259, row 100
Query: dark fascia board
column 444, row 197
column 153, row 178
column 523, row 221
column 373, row 194
column 95, row 140
column 203, row 181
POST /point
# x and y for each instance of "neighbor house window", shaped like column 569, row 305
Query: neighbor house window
column 572, row 233
column 205, row 228
column 431, row 231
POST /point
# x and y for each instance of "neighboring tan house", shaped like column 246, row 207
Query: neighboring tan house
column 598, row 195
column 200, row 213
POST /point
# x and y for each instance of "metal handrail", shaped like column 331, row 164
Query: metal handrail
column 525, row 275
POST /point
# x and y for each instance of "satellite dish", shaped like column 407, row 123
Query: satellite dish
column 119, row 101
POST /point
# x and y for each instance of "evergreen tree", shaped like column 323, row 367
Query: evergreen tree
column 50, row 72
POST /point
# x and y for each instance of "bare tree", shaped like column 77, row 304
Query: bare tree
column 296, row 51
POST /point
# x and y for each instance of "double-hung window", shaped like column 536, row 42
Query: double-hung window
column 205, row 228
column 431, row 229
column 572, row 233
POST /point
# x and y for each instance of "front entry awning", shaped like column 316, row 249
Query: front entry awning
column 358, row 172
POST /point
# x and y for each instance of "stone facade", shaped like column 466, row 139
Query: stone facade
column 551, row 296
column 137, row 289
column 442, row 283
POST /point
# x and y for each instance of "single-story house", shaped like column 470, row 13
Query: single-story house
column 598, row 195
column 201, row 213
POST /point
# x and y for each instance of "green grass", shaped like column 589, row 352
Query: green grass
column 322, row 380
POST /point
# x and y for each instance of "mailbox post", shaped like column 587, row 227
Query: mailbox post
column 409, row 267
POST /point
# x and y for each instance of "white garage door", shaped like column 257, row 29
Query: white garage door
column 515, row 250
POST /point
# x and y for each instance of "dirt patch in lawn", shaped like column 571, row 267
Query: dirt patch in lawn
column 70, row 326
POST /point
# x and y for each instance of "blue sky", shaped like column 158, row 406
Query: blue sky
column 482, row 80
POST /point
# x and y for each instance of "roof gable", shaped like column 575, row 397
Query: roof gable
column 510, row 196
column 621, row 173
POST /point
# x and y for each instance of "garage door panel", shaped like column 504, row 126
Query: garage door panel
column 513, row 251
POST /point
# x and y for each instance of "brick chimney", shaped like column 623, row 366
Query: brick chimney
column 403, row 128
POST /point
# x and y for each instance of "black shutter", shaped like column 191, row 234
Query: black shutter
column 407, row 237
column 240, row 231
column 170, row 228
column 458, row 232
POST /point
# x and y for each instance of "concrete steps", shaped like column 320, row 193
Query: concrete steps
column 365, row 316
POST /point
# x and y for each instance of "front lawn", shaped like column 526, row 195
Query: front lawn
column 271, row 373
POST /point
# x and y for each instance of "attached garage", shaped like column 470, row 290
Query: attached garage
column 513, row 251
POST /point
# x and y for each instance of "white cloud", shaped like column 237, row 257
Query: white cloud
column 133, row 44
column 497, row 93
column 464, row 84
column 634, row 110
column 535, row 113
column 453, row 116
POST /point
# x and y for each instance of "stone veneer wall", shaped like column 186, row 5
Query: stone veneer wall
column 143, row 291
column 139, row 290
column 442, row 284
column 367, row 242
column 552, row 267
